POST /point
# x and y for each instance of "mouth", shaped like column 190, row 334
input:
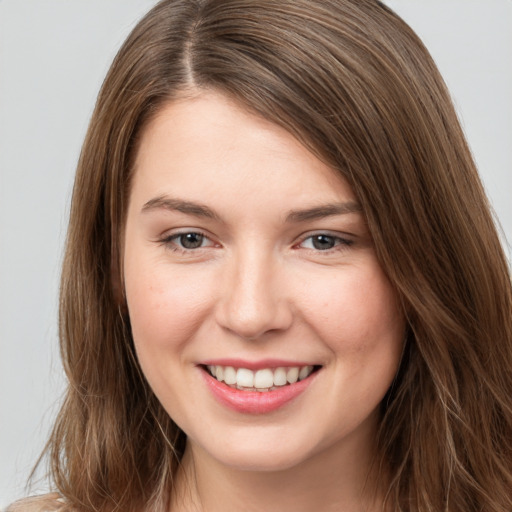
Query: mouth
column 261, row 380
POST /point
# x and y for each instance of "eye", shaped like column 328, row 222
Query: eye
column 187, row 241
column 324, row 242
column 190, row 240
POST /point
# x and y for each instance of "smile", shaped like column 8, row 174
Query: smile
column 262, row 380
column 261, row 390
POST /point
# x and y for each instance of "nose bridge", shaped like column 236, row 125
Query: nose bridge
column 253, row 301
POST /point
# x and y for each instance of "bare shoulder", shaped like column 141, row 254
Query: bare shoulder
column 45, row 503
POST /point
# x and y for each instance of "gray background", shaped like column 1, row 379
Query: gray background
column 53, row 56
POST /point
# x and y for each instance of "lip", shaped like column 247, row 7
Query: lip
column 256, row 365
column 255, row 402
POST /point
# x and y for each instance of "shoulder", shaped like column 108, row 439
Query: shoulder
column 45, row 503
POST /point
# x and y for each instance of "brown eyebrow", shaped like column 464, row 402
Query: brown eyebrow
column 180, row 205
column 295, row 216
column 320, row 212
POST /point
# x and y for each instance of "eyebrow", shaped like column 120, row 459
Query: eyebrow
column 180, row 205
column 295, row 216
column 319, row 212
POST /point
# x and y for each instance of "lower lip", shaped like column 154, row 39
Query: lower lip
column 255, row 402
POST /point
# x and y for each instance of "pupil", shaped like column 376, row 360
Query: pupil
column 191, row 240
column 323, row 242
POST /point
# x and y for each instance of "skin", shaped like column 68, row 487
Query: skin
column 257, row 287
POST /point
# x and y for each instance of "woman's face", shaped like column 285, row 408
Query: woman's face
column 260, row 314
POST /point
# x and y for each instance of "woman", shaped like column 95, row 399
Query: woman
column 283, row 288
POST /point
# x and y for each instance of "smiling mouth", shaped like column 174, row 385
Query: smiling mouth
column 263, row 380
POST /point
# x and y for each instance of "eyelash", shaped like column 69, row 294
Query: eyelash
column 340, row 243
column 170, row 241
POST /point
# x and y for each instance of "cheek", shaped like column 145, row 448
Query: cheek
column 356, row 312
column 165, row 307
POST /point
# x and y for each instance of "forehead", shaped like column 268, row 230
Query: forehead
column 209, row 147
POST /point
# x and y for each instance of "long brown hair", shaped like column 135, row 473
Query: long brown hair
column 353, row 83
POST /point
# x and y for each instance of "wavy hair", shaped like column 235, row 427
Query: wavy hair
column 352, row 82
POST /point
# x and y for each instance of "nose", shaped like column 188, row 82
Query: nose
column 253, row 300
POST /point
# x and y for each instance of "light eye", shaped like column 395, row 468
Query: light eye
column 190, row 240
column 324, row 242
column 187, row 241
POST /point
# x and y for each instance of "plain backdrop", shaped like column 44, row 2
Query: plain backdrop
column 53, row 57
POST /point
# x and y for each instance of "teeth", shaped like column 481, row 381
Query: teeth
column 262, row 380
column 229, row 375
column 245, row 378
column 292, row 375
column 279, row 376
column 304, row 372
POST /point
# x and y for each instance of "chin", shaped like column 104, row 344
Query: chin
column 265, row 451
column 261, row 460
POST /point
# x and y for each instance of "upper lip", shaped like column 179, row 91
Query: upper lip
column 256, row 365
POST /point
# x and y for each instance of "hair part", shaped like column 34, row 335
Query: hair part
column 354, row 84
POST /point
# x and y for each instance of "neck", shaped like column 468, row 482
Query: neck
column 340, row 478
